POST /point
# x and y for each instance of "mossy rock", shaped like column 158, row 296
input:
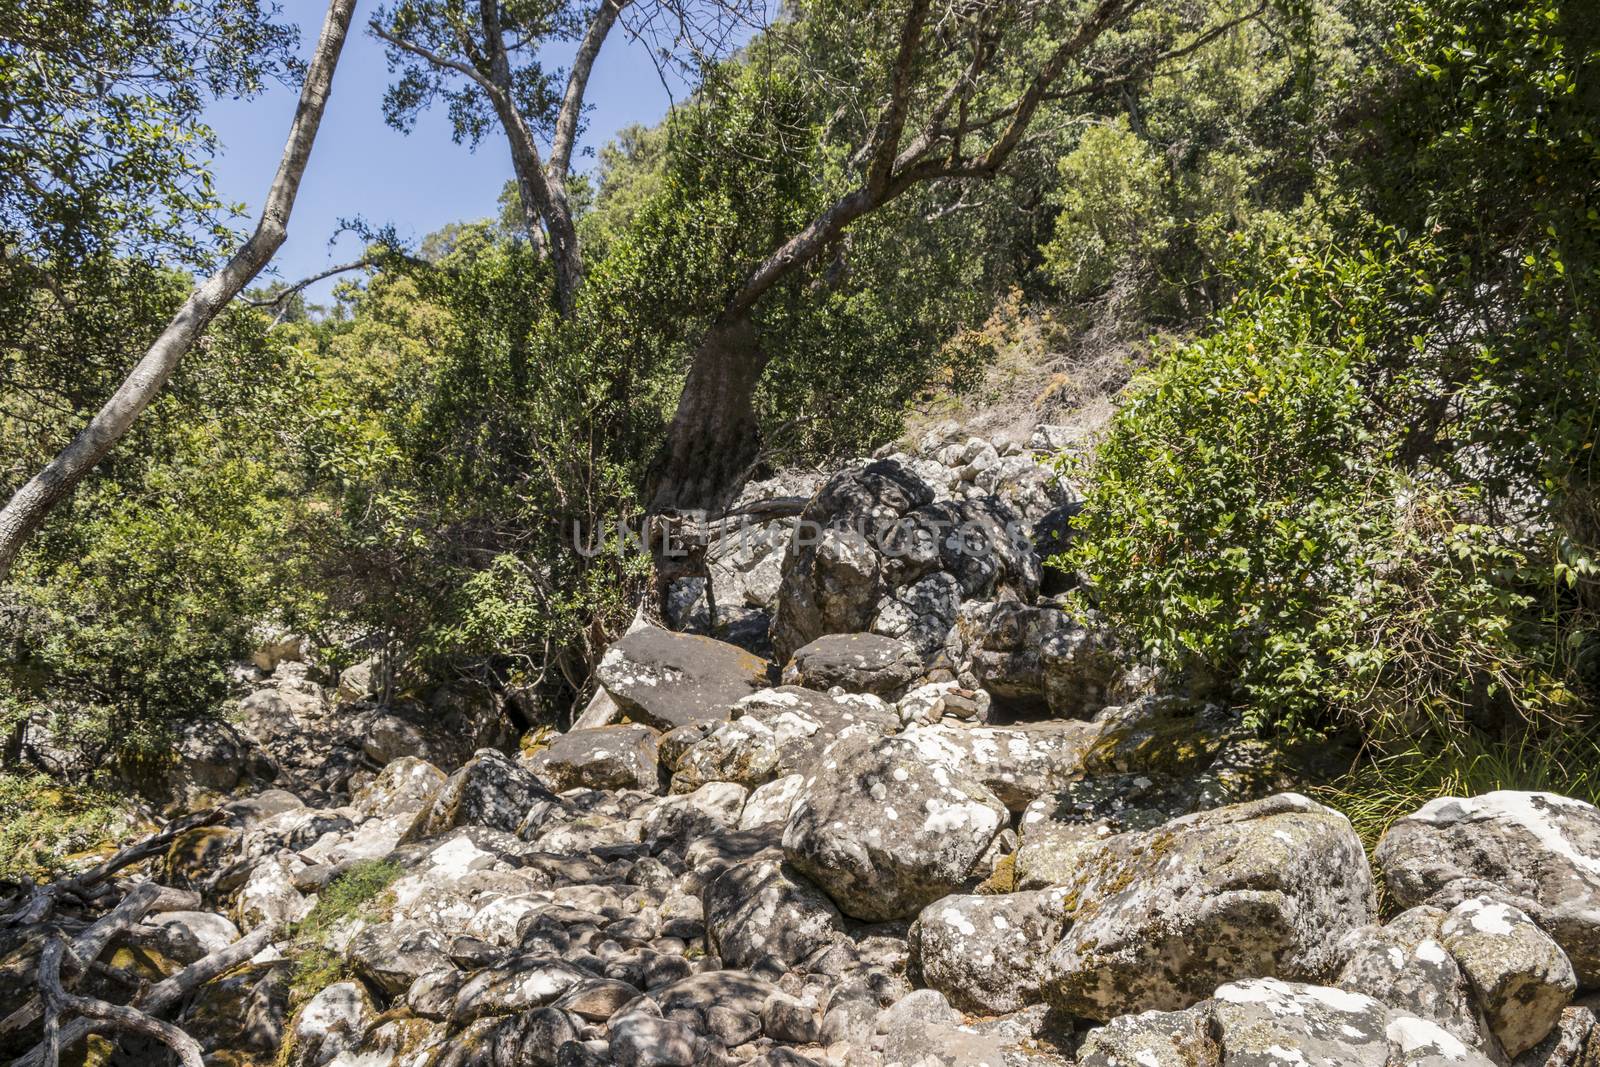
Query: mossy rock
column 242, row 1014
column 197, row 856
column 146, row 964
column 1003, row 879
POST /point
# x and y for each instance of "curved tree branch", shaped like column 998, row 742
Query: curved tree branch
column 28, row 507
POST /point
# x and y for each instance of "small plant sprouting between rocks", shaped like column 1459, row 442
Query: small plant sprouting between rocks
column 358, row 894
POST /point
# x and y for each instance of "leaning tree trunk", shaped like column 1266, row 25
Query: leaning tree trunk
column 27, row 509
column 714, row 439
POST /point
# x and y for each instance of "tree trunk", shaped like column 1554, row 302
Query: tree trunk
column 714, row 438
column 27, row 509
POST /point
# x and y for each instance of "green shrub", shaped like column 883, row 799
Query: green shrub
column 44, row 824
column 358, row 893
column 1248, row 522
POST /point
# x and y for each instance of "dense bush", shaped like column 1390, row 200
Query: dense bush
column 120, row 617
column 1249, row 520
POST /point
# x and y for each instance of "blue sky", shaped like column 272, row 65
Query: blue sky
column 362, row 167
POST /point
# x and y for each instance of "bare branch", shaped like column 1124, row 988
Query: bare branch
column 160, row 997
column 430, row 56
column 283, row 294
column 102, row 1014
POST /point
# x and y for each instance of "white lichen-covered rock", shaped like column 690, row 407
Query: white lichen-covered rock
column 761, row 912
column 1017, row 763
column 885, row 833
column 988, row 954
column 665, row 679
column 778, row 732
column 1536, row 851
column 771, row 803
column 1159, row 919
column 1520, row 977
column 1270, row 1023
column 489, row 790
column 402, row 787
column 857, row 663
column 1153, row 1039
column 393, row 955
column 1257, row 1020
column 1405, row 964
column 624, row 756
column 191, row 935
column 744, row 751
column 331, row 1023
column 269, row 896
column 714, row 806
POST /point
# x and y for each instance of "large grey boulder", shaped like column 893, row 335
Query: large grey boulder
column 1017, row 763
column 778, row 732
column 762, row 911
column 1520, row 978
column 665, row 679
column 884, row 833
column 489, row 790
column 624, row 756
column 330, row 1022
column 1038, row 657
column 1405, row 964
column 393, row 955
column 988, row 954
column 832, row 576
column 401, row 788
column 1159, row 919
column 875, row 551
column 1539, row 852
column 858, row 663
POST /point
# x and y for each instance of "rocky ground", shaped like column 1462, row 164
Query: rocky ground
column 902, row 809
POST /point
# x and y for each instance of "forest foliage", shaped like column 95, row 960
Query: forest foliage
column 1354, row 488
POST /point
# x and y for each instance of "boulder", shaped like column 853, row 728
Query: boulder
column 988, row 954
column 331, row 1022
column 832, row 572
column 490, row 790
column 858, row 663
column 639, row 1039
column 1158, row 919
column 606, row 757
column 401, row 788
column 875, row 551
column 884, row 833
column 713, row 807
column 771, row 803
column 268, row 894
column 665, row 679
column 192, row 935
column 1255, row 1019
column 762, row 911
column 778, row 732
column 744, row 751
column 394, row 955
column 1539, row 852
column 1017, row 763
column 517, row 984
column 1267, row 1022
column 1405, row 965
column 1520, row 978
